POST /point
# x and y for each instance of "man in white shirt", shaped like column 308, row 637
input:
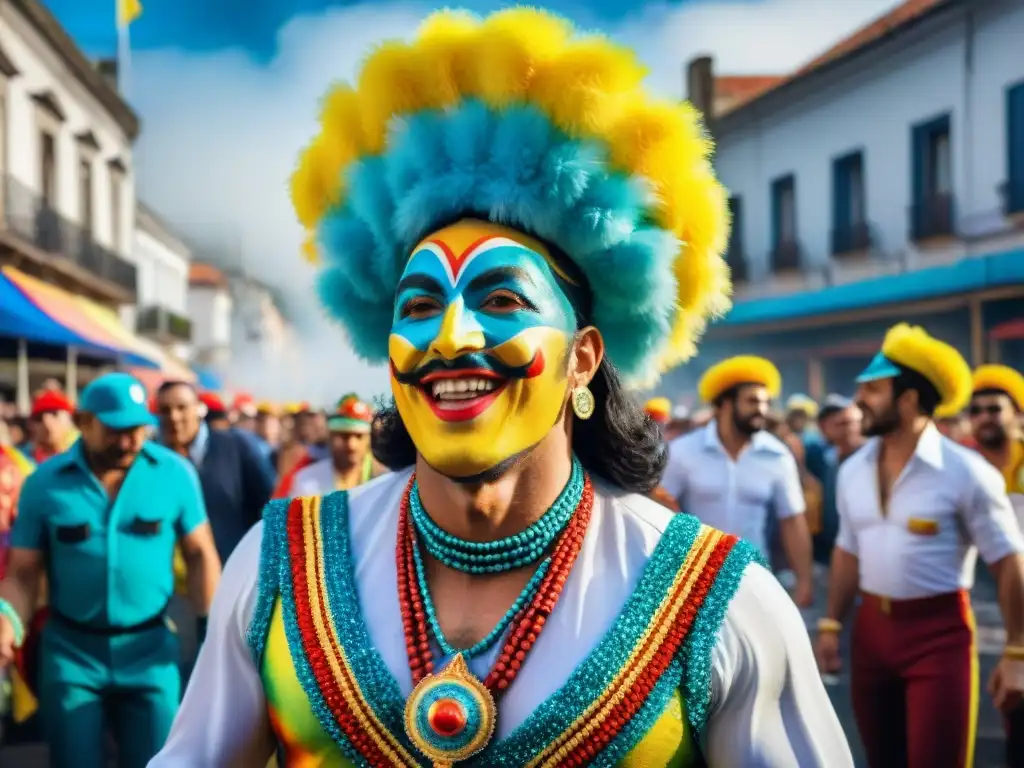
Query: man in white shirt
column 733, row 475
column 915, row 508
column 350, row 463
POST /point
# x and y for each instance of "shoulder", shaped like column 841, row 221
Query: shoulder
column 767, row 443
column 48, row 474
column 164, row 457
column 236, row 592
column 687, row 444
column 374, row 500
column 858, row 461
column 971, row 465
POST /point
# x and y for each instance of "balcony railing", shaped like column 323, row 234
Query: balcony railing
column 932, row 217
column 851, row 238
column 30, row 217
column 737, row 262
column 163, row 324
column 786, row 256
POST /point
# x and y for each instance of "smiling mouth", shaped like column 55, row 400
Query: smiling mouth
column 461, row 395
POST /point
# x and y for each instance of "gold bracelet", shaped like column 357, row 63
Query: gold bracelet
column 1014, row 652
column 829, row 625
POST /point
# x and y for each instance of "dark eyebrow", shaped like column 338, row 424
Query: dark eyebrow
column 495, row 277
column 422, row 282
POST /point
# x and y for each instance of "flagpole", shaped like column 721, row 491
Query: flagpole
column 124, row 51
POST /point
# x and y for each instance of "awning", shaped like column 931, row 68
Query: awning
column 21, row 319
column 1012, row 330
column 209, row 380
column 66, row 310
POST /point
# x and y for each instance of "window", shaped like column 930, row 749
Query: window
column 932, row 208
column 849, row 226
column 785, row 253
column 85, row 192
column 48, row 168
column 735, row 257
column 116, row 179
column 1014, row 198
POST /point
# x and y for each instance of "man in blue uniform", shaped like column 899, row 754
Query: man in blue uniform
column 102, row 521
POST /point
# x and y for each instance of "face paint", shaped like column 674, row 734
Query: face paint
column 478, row 346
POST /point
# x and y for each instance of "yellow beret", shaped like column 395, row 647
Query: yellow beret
column 945, row 368
column 1002, row 378
column 743, row 369
column 802, row 403
column 659, row 409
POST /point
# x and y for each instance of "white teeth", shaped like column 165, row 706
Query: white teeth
column 460, row 389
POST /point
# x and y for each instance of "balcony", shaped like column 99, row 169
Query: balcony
column 737, row 263
column 163, row 325
column 851, row 238
column 38, row 232
column 932, row 217
column 786, row 256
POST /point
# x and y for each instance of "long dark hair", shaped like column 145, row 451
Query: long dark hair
column 619, row 443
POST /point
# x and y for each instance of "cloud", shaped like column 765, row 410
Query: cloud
column 221, row 133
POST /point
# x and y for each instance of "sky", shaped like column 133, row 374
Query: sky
column 228, row 92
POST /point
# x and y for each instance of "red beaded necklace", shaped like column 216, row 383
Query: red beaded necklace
column 526, row 626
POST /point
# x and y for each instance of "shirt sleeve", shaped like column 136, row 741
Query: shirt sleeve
column 988, row 513
column 673, row 479
column 222, row 720
column 29, row 529
column 788, row 494
column 846, row 539
column 193, row 507
column 769, row 706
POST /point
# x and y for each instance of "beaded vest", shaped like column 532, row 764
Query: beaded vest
column 638, row 699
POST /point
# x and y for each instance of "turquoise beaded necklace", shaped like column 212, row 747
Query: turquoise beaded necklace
column 522, row 549
column 517, row 551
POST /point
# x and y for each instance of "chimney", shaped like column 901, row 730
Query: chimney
column 108, row 68
column 700, row 87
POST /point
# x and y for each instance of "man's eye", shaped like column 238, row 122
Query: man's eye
column 420, row 307
column 503, row 301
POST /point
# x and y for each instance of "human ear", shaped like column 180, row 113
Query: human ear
column 588, row 352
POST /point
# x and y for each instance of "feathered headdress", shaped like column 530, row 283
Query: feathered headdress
column 517, row 120
column 743, row 369
column 1000, row 378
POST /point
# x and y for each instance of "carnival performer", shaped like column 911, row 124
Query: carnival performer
column 101, row 519
column 510, row 221
column 350, row 463
column 915, row 508
column 735, row 475
column 996, row 407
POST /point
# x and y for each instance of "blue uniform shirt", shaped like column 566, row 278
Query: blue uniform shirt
column 109, row 564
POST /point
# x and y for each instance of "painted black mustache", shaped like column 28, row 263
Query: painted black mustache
column 474, row 361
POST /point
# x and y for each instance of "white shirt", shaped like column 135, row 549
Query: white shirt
column 768, row 704
column 947, row 505
column 734, row 496
column 316, row 479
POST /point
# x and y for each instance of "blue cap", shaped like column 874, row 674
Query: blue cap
column 880, row 367
column 118, row 400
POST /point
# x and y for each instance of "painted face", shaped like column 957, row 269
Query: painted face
column 478, row 346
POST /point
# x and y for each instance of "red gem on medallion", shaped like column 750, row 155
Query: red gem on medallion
column 446, row 717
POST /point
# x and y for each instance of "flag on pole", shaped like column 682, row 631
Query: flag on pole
column 128, row 11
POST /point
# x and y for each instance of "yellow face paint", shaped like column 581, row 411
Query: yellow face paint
column 478, row 346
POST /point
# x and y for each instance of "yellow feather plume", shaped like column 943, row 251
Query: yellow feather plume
column 939, row 362
column 742, row 369
column 1003, row 379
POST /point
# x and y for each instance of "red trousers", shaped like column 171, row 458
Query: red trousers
column 915, row 681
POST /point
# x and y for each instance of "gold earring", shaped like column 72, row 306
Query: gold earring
column 583, row 404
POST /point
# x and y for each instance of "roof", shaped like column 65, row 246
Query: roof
column 732, row 91
column 200, row 274
column 46, row 24
column 885, row 26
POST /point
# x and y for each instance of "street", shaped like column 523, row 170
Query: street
column 989, row 752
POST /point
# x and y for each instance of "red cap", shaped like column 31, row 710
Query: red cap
column 354, row 408
column 212, row 402
column 51, row 402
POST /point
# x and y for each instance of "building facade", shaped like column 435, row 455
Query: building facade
column 882, row 182
column 67, row 203
column 162, row 261
column 210, row 311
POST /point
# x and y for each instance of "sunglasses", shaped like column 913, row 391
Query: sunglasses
column 991, row 410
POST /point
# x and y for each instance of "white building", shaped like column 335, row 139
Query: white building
column 883, row 181
column 901, row 136
column 210, row 310
column 162, row 262
column 67, row 208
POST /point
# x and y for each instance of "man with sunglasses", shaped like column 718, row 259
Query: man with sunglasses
column 996, row 406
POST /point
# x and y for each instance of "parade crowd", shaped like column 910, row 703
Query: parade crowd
column 106, row 661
